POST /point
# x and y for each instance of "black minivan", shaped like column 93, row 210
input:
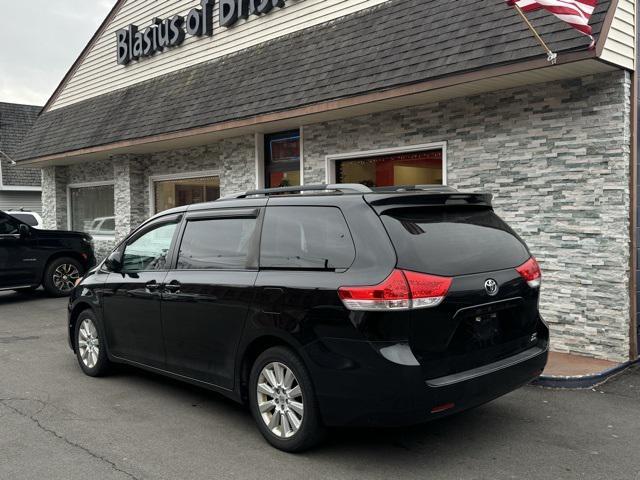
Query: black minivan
column 322, row 305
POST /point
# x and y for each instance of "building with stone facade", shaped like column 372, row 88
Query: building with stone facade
column 240, row 95
column 19, row 186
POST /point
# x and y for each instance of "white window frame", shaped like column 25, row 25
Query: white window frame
column 72, row 186
column 330, row 160
column 301, row 155
column 259, row 160
column 153, row 179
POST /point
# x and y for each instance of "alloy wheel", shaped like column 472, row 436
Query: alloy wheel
column 88, row 343
column 280, row 400
column 65, row 276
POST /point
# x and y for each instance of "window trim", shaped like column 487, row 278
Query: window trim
column 331, row 159
column 223, row 214
column 79, row 185
column 153, row 179
column 253, row 254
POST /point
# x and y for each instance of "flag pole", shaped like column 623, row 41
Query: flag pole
column 551, row 56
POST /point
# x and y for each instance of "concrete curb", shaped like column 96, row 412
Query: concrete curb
column 584, row 381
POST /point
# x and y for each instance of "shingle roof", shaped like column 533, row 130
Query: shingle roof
column 396, row 43
column 15, row 122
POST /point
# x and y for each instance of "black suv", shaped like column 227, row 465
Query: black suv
column 30, row 257
column 322, row 305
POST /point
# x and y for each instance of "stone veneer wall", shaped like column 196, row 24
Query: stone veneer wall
column 556, row 157
column 233, row 159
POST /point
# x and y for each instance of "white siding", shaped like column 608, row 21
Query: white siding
column 17, row 200
column 619, row 47
column 99, row 73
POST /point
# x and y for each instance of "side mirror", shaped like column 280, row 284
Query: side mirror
column 24, row 230
column 114, row 261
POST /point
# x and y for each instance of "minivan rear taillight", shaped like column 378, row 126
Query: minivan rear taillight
column 402, row 290
column 530, row 271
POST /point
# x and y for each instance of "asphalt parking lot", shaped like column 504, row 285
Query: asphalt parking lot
column 56, row 423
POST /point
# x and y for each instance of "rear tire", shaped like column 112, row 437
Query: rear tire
column 91, row 349
column 60, row 276
column 282, row 401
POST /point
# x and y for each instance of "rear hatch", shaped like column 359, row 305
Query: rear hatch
column 462, row 238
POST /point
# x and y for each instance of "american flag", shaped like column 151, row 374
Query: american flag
column 575, row 12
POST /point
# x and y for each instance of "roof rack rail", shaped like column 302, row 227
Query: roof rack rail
column 330, row 187
column 417, row 188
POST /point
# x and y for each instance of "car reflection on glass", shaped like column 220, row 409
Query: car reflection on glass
column 102, row 226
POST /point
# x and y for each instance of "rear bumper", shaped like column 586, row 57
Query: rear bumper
column 376, row 392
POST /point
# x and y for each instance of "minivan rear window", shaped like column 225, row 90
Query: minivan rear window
column 453, row 241
column 308, row 238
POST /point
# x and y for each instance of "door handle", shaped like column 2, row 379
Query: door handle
column 173, row 287
column 152, row 286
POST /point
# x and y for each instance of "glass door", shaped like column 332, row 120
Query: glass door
column 282, row 159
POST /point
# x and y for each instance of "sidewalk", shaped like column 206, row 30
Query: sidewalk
column 565, row 370
column 567, row 365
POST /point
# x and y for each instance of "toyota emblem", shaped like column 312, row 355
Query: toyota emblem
column 491, row 286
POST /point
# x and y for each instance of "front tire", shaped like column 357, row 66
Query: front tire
column 91, row 350
column 60, row 276
column 282, row 401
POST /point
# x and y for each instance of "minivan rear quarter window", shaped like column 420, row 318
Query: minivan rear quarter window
column 453, row 241
column 222, row 243
column 307, row 238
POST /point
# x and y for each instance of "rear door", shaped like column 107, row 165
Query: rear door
column 209, row 292
column 304, row 253
column 476, row 324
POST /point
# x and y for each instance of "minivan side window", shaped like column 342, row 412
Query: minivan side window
column 220, row 244
column 149, row 251
column 306, row 238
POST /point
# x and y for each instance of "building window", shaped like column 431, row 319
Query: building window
column 282, row 159
column 403, row 168
column 176, row 192
column 91, row 209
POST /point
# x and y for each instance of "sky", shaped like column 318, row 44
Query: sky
column 40, row 43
